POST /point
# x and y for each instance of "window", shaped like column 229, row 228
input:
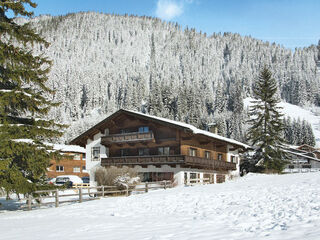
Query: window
column 95, row 153
column 143, row 151
column 124, row 152
column 77, row 156
column 164, row 150
column 233, row 159
column 83, row 168
column 106, row 132
column 193, row 152
column 123, row 131
column 76, row 169
column 143, row 129
column 59, row 169
column 207, row 154
column 219, row 156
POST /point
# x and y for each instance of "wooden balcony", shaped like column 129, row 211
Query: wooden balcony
column 127, row 138
column 184, row 161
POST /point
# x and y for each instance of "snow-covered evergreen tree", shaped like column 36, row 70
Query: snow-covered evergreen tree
column 24, row 104
column 266, row 128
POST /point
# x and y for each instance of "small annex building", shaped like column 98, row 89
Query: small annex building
column 73, row 161
column 303, row 158
column 159, row 149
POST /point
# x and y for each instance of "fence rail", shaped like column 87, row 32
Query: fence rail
column 91, row 192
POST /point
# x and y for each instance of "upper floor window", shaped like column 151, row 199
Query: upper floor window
column 77, row 156
column 76, row 169
column 124, row 152
column 219, row 156
column 193, row 152
column 59, row 169
column 143, row 151
column 207, row 154
column 164, row 150
column 233, row 159
column 95, row 153
column 122, row 131
column 143, row 129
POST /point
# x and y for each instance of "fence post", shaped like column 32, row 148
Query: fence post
column 165, row 184
column 127, row 190
column 40, row 201
column 102, row 191
column 146, row 187
column 57, row 198
column 29, row 202
column 80, row 195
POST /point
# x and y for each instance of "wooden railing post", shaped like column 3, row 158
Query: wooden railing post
column 57, row 198
column 29, row 202
column 146, row 187
column 127, row 190
column 80, row 195
column 165, row 184
column 102, row 191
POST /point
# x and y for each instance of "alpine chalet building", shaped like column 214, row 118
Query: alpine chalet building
column 159, row 149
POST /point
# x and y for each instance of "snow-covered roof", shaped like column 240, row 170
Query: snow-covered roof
column 58, row 147
column 301, row 155
column 187, row 126
column 193, row 129
column 69, row 148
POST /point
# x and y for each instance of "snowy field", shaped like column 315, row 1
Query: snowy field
column 253, row 207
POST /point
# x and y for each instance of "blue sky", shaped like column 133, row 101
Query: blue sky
column 291, row 23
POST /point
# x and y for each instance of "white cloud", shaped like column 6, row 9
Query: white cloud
column 168, row 9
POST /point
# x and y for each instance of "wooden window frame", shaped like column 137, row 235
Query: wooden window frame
column 58, row 168
column 193, row 150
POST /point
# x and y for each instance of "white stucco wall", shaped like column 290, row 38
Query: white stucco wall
column 91, row 164
column 235, row 153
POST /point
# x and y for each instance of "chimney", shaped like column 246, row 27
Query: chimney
column 213, row 128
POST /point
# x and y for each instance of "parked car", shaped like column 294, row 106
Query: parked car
column 68, row 180
column 85, row 179
column 51, row 181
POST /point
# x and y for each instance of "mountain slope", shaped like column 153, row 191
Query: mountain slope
column 104, row 62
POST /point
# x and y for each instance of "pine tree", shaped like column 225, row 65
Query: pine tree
column 266, row 129
column 23, row 105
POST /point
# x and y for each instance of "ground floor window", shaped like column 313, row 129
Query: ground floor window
column 157, row 176
column 76, row 169
column 59, row 168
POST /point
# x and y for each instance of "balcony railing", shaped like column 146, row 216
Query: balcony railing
column 187, row 161
column 127, row 137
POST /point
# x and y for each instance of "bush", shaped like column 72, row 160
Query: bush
column 113, row 176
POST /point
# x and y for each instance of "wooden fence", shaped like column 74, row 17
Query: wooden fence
column 40, row 197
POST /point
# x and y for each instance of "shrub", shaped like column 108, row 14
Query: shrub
column 113, row 176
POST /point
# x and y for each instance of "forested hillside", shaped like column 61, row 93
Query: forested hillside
column 106, row 62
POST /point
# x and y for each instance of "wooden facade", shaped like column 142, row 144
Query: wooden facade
column 139, row 140
column 70, row 164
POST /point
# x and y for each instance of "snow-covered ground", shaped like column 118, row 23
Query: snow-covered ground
column 310, row 114
column 253, row 207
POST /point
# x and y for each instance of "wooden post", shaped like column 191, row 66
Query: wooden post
column 57, row 198
column 127, row 190
column 40, row 201
column 29, row 202
column 146, row 187
column 102, row 191
column 165, row 184
column 80, row 195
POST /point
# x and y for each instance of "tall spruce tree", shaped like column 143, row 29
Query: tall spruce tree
column 24, row 158
column 266, row 129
